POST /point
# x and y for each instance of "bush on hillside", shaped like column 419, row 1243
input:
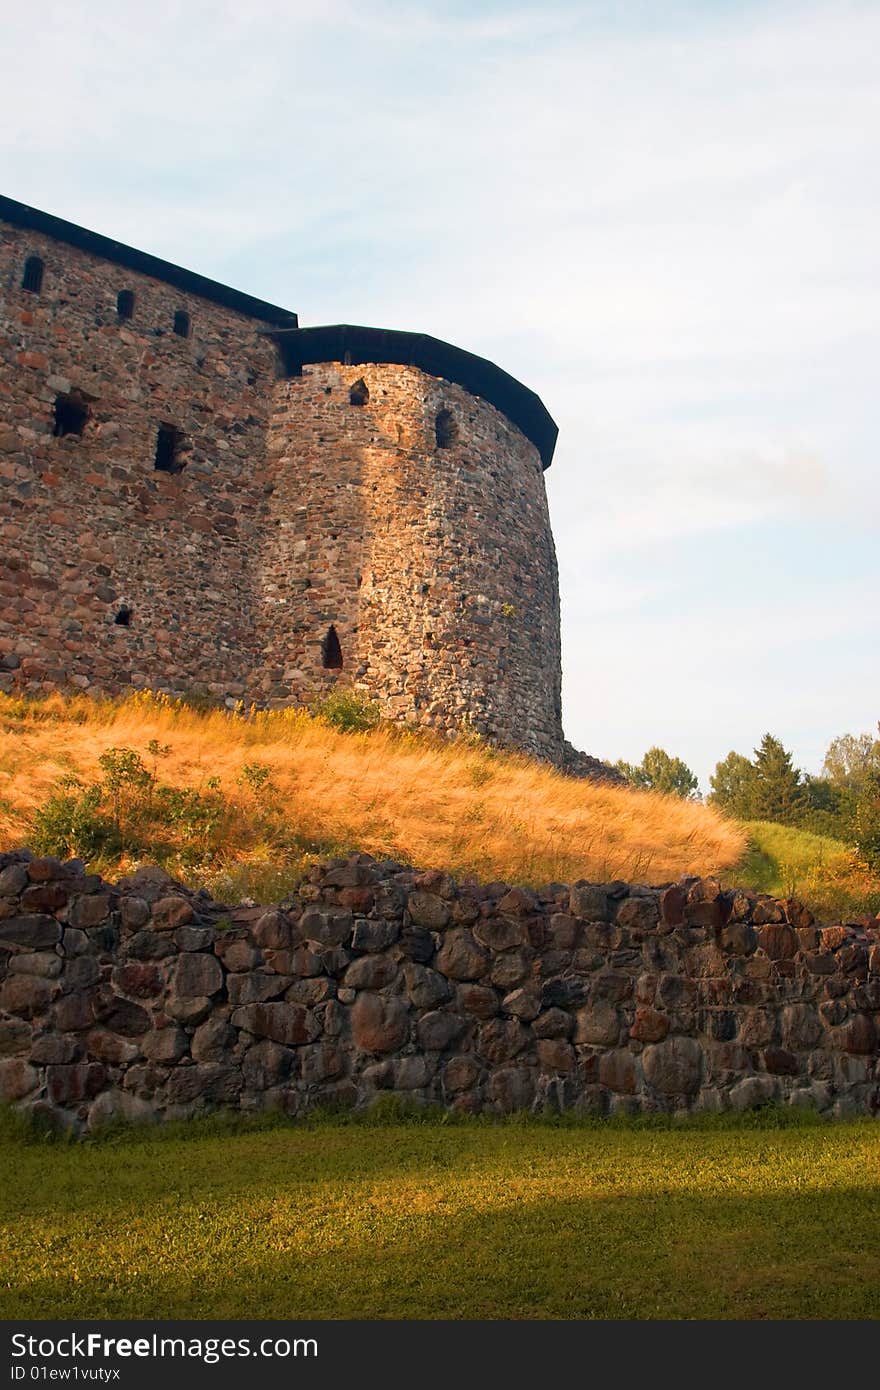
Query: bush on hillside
column 347, row 711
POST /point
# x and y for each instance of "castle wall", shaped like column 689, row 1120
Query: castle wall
column 292, row 510
column 435, row 565
column 143, row 1001
column 88, row 523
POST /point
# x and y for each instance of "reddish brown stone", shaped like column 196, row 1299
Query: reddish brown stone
column 79, row 1081
column 17, row 1079
column 288, row 1024
column 781, row 1063
column 556, row 1056
column 649, row 1026
column 672, row 905
column 138, row 978
column 778, row 942
column 171, row 913
column 25, row 995
column 377, row 1024
column 617, row 1071
column 478, row 1000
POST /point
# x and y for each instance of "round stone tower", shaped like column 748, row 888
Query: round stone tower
column 408, row 550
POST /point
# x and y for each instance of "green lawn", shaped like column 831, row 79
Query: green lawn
column 430, row 1220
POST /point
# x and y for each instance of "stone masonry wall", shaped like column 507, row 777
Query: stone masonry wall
column 143, row 1000
column 88, row 523
column 434, row 564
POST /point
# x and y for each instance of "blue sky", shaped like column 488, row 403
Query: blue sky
column 663, row 217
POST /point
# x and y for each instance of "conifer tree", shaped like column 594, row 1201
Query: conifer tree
column 778, row 793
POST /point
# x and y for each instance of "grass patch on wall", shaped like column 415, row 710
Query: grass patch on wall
column 429, row 1220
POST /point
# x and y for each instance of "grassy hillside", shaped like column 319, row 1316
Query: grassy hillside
column 788, row 862
column 249, row 798
column 718, row 1219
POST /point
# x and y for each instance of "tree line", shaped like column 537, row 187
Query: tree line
column 843, row 801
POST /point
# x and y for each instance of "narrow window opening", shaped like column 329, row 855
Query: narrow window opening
column 33, row 275
column 71, row 413
column 331, row 651
column 359, row 395
column 445, row 429
column 181, row 323
column 123, row 617
column 169, row 449
column 125, row 304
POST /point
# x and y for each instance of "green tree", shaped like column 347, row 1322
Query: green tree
column 659, row 772
column 851, row 759
column 867, row 820
column 732, row 786
column 778, row 793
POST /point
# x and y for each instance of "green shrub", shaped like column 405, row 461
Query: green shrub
column 73, row 823
column 347, row 711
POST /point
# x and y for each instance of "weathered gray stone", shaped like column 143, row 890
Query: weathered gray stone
column 44, row 963
column 438, row 1030
column 370, row 972
column 501, row 933
column 253, row 986
column 165, row 1045
column 501, row 1039
column 425, row 987
column 752, row 1091
column 326, row 928
column 512, row 1089
column 673, row 1067
column 553, row 1023
column 193, row 938
column 213, row 1040
column 429, row 910
column 189, row 1012
column 598, row 1024
column 115, row 1106
column 79, row 1081
column 32, row 930
column 460, row 958
column 267, row 1064
column 197, row 974
column 589, row 903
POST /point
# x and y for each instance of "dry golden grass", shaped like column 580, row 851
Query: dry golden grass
column 433, row 804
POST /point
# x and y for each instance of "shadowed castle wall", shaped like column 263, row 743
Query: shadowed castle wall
column 88, row 523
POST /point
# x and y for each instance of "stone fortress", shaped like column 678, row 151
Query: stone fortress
column 199, row 496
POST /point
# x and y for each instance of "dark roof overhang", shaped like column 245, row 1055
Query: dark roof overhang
column 20, row 215
column 351, row 344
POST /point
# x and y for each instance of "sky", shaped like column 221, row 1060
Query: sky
column 664, row 217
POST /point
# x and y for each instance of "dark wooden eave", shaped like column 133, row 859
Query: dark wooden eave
column 352, row 344
column 32, row 219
